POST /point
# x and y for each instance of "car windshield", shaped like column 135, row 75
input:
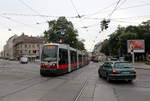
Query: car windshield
column 123, row 65
column 49, row 53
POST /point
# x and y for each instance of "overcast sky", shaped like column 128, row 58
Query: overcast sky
column 19, row 16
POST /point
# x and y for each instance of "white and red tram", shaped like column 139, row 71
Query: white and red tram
column 58, row 59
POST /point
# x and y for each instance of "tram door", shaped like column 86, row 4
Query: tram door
column 63, row 58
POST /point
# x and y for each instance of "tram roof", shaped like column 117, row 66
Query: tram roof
column 55, row 44
column 65, row 46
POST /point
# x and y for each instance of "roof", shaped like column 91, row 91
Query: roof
column 33, row 40
column 29, row 39
column 65, row 46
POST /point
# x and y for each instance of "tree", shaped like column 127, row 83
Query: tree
column 63, row 30
column 117, row 42
column 105, row 47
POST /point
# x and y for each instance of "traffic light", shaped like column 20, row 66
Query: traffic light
column 104, row 24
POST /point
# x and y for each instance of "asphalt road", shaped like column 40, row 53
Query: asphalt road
column 22, row 82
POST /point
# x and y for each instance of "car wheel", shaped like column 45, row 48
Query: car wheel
column 100, row 75
column 107, row 78
column 130, row 81
column 42, row 73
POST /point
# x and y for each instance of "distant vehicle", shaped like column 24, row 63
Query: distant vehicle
column 117, row 70
column 114, row 59
column 94, row 59
column 24, row 60
column 121, row 58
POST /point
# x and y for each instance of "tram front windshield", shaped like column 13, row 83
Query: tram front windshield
column 49, row 53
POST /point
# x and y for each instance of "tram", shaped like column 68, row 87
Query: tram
column 57, row 59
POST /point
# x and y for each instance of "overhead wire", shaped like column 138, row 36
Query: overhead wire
column 111, row 14
column 18, row 14
column 147, row 4
column 92, row 25
column 144, row 16
column 16, row 21
column 29, row 7
column 28, row 15
column 121, row 21
column 125, row 8
column 101, row 10
column 34, row 15
column 5, row 26
column 114, row 9
column 87, row 18
column 121, row 3
column 78, row 15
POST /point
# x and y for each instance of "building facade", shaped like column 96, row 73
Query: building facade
column 8, row 51
column 2, row 54
column 28, row 46
column 97, row 54
column 23, row 45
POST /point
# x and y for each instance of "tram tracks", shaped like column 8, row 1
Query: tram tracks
column 25, row 87
column 36, row 80
column 76, row 98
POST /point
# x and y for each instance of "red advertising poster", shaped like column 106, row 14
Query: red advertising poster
column 137, row 46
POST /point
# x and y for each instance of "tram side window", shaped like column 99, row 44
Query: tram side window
column 73, row 57
column 80, row 58
column 84, row 58
column 63, row 56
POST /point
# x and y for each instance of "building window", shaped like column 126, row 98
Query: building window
column 33, row 46
column 25, row 46
column 38, row 45
column 34, row 51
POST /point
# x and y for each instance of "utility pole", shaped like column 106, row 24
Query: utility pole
column 132, row 52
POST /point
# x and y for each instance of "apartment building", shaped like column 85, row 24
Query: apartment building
column 8, row 51
column 28, row 46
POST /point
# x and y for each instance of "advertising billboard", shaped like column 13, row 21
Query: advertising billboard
column 136, row 46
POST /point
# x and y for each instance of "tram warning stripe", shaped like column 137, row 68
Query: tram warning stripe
column 64, row 66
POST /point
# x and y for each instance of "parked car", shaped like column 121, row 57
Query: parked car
column 117, row 70
column 24, row 60
column 114, row 59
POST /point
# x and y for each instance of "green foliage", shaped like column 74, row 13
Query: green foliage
column 105, row 47
column 62, row 29
column 116, row 45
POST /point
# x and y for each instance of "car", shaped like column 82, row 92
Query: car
column 114, row 59
column 117, row 70
column 23, row 60
column 94, row 59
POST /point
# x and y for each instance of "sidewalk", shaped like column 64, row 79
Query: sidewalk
column 140, row 65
